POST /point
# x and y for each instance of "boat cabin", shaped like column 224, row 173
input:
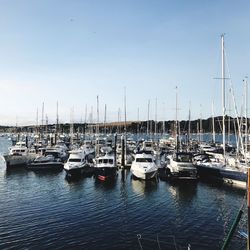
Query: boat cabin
column 105, row 161
column 144, row 159
column 183, row 157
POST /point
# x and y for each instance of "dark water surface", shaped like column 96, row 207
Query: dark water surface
column 41, row 210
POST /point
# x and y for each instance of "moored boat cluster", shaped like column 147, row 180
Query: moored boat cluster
column 103, row 155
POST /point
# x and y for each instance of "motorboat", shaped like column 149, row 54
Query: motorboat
column 19, row 155
column 144, row 166
column 77, row 163
column 105, row 167
column 46, row 162
column 53, row 159
column 180, row 166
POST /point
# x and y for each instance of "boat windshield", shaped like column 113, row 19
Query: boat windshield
column 55, row 154
column 184, row 158
column 75, row 160
column 144, row 160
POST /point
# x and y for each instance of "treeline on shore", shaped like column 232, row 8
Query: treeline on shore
column 196, row 126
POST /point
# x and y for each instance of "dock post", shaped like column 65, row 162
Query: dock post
column 115, row 153
column 123, row 152
column 248, row 208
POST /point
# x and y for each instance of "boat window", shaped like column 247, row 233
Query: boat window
column 74, row 160
column 22, row 150
column 184, row 158
column 100, row 161
column 55, row 154
column 105, row 161
column 144, row 160
column 110, row 161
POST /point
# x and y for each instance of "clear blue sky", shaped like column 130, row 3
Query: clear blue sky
column 70, row 51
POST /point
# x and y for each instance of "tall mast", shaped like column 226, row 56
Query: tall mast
column 229, row 122
column 213, row 127
column 148, row 118
column 42, row 118
column 91, row 121
column 138, row 119
column 189, row 123
column 223, row 91
column 97, row 126
column 85, row 119
column 163, row 123
column 176, row 117
column 246, row 113
column 125, row 112
column 105, row 117
column 72, row 124
column 119, row 120
column 57, row 117
column 201, row 132
column 46, row 124
column 37, row 120
column 155, row 116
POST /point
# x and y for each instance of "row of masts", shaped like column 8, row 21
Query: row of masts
column 150, row 129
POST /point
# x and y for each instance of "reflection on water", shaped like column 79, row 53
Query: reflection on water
column 47, row 174
column 41, row 210
column 108, row 184
column 183, row 191
column 222, row 186
column 19, row 171
column 142, row 187
column 124, row 174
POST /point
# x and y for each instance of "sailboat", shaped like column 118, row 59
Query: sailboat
column 220, row 169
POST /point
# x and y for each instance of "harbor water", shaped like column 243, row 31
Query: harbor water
column 45, row 210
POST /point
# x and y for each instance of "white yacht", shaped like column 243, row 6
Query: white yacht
column 144, row 167
column 180, row 166
column 53, row 158
column 77, row 163
column 19, row 155
column 105, row 167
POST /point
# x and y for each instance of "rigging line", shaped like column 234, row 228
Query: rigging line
column 235, row 106
column 219, row 124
